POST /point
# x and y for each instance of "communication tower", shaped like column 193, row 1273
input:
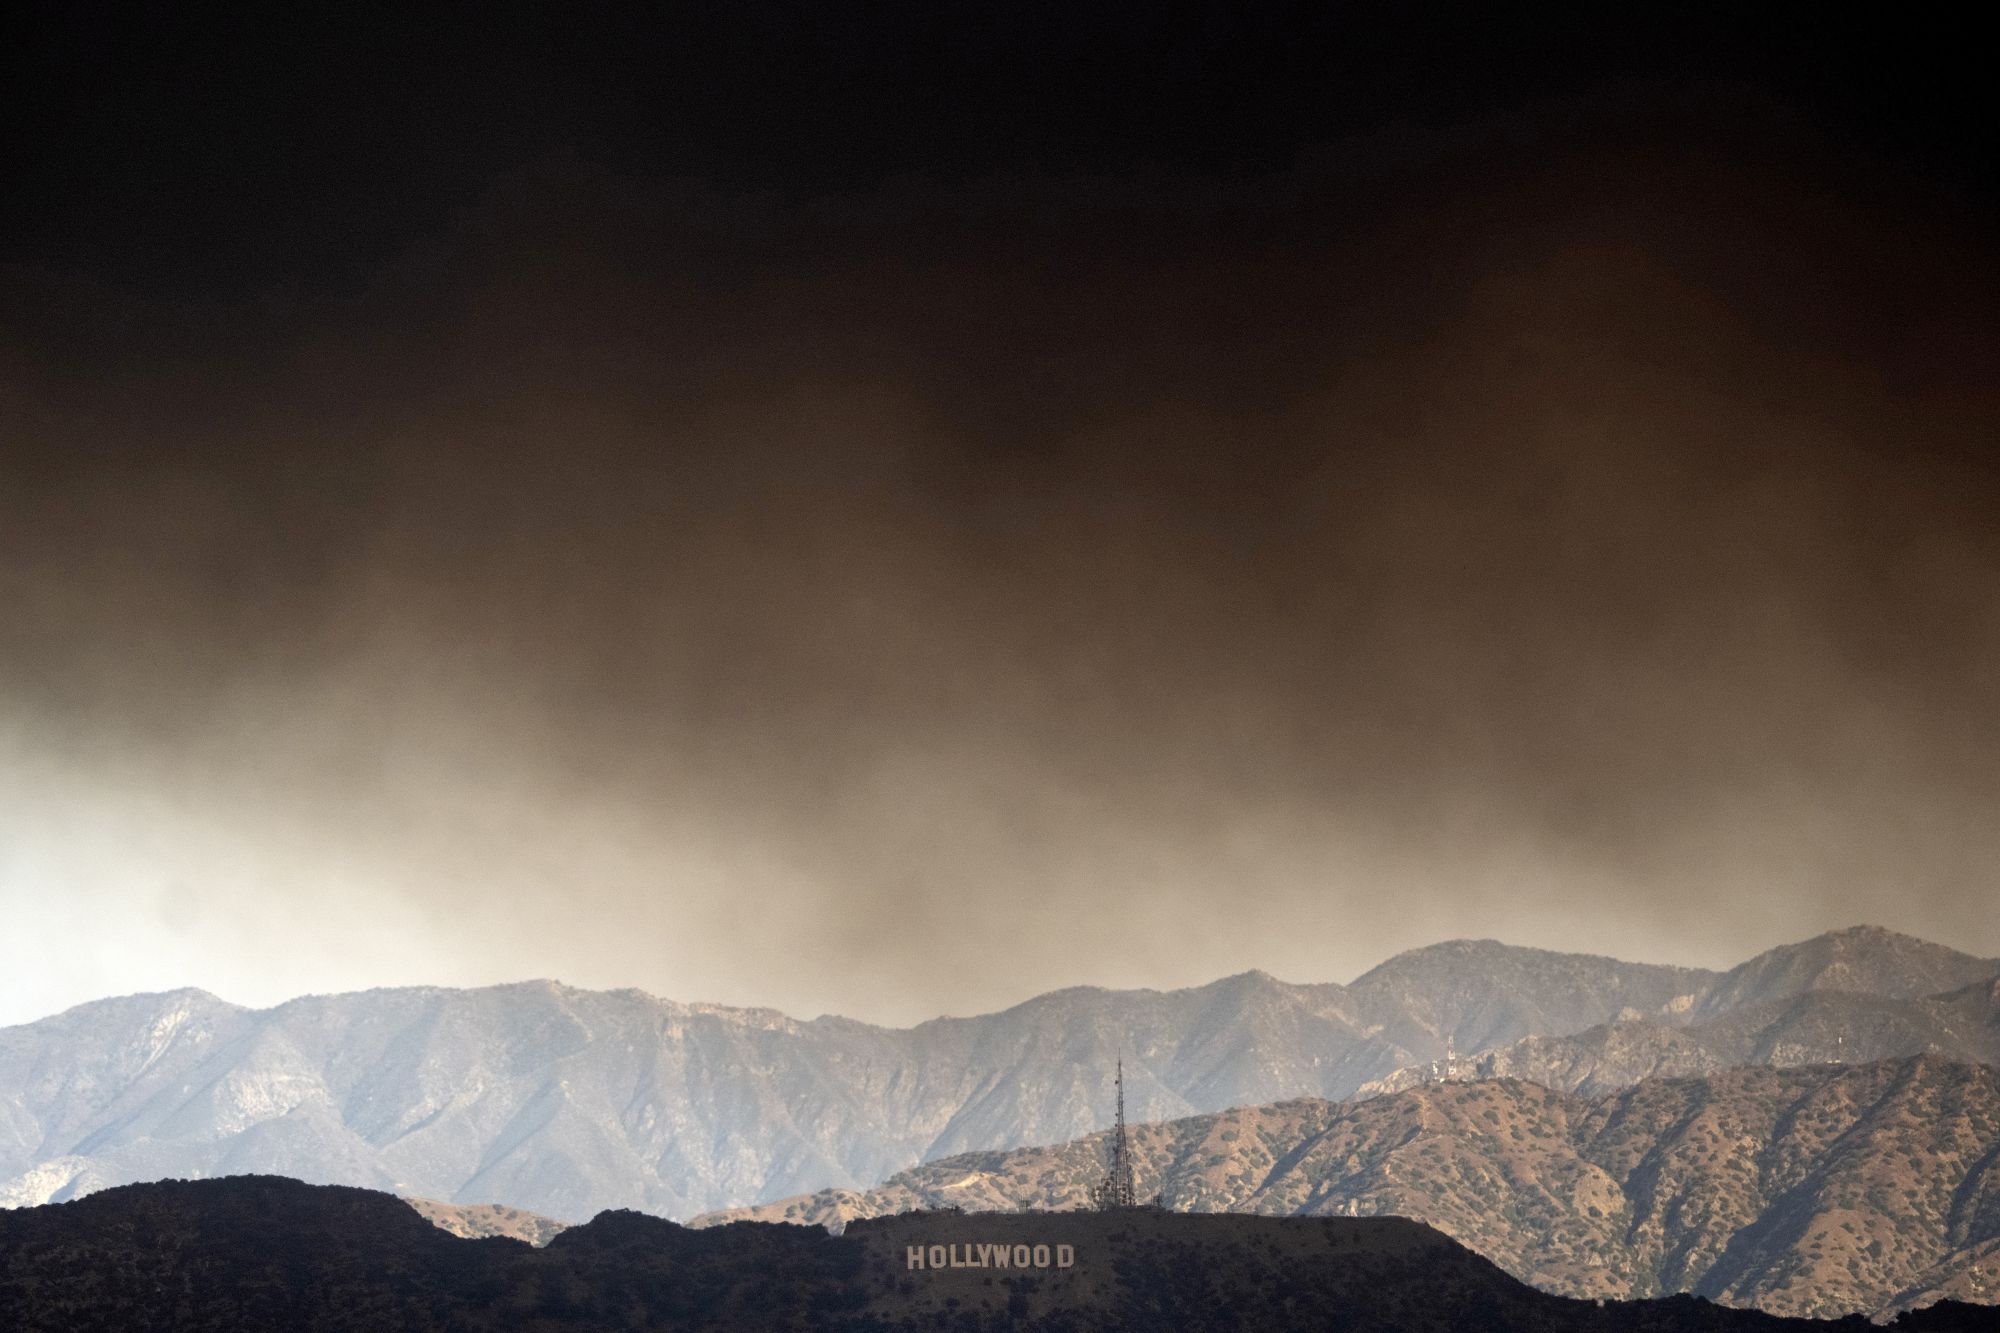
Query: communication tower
column 1117, row 1189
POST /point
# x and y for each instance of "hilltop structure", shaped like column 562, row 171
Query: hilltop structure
column 1448, row 1069
column 1117, row 1189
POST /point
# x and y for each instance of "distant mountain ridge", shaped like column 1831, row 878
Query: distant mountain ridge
column 1818, row 1027
column 567, row 1102
column 475, row 1221
column 1821, row 1190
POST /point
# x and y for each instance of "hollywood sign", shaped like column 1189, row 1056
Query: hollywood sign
column 931, row 1257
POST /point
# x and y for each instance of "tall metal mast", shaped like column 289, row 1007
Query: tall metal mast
column 1117, row 1189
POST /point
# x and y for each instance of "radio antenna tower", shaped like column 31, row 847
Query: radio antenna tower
column 1117, row 1189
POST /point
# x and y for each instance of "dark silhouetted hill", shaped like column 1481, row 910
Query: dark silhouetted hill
column 252, row 1253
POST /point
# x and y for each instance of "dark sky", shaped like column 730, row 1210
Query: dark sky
column 893, row 510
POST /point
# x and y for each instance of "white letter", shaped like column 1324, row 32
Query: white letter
column 1041, row 1256
column 913, row 1256
column 1065, row 1255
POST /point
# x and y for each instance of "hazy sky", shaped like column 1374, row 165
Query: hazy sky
column 1571, row 523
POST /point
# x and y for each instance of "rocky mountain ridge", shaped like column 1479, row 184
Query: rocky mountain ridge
column 475, row 1221
column 1817, row 1027
column 567, row 1102
column 1821, row 1190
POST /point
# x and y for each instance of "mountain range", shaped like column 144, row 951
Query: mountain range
column 1839, row 1027
column 568, row 1102
column 1819, row 1190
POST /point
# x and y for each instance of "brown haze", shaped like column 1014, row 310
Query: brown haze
column 1575, row 530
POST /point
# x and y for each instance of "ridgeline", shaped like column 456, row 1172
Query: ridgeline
column 251, row 1253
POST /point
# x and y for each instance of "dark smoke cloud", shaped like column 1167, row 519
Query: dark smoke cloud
column 1575, row 530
